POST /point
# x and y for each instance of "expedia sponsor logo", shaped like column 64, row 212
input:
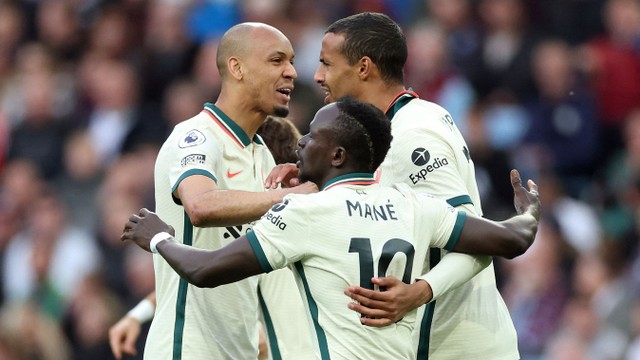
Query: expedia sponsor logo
column 420, row 156
column 275, row 220
column 193, row 159
column 422, row 174
column 280, row 206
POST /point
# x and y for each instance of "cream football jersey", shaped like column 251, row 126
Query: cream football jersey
column 346, row 234
column 429, row 154
column 219, row 323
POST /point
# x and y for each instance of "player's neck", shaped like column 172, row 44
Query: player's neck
column 382, row 95
column 336, row 172
column 248, row 119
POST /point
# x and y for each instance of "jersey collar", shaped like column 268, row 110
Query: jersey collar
column 350, row 179
column 399, row 101
column 229, row 126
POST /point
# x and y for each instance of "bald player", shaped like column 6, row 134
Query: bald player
column 209, row 178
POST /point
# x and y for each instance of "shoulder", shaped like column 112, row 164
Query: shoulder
column 192, row 132
column 405, row 191
column 424, row 116
column 423, row 107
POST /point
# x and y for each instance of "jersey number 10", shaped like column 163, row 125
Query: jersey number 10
column 362, row 246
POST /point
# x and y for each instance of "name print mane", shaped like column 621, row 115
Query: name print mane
column 384, row 212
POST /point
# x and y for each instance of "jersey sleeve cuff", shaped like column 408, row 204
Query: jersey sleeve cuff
column 257, row 249
column 185, row 175
column 457, row 230
column 460, row 200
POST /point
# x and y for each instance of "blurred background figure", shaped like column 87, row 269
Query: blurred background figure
column 612, row 63
column 563, row 128
column 433, row 76
column 47, row 260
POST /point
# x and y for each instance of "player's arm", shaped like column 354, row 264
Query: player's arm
column 388, row 307
column 207, row 205
column 124, row 334
column 508, row 238
column 511, row 237
column 202, row 268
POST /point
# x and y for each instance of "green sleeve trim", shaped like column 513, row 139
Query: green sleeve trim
column 257, row 249
column 185, row 175
column 457, row 230
column 460, row 200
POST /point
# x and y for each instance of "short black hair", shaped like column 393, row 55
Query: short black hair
column 377, row 36
column 281, row 137
column 364, row 131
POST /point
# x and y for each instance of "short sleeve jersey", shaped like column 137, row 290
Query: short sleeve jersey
column 344, row 235
column 190, row 322
column 430, row 155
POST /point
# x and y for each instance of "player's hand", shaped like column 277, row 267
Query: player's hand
column 523, row 200
column 382, row 308
column 142, row 227
column 285, row 174
column 123, row 336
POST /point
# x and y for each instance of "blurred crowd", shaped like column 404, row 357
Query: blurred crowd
column 89, row 89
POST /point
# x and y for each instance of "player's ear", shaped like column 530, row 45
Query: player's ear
column 235, row 68
column 339, row 157
column 365, row 66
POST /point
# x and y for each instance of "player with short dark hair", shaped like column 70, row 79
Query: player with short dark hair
column 352, row 230
column 366, row 35
column 363, row 56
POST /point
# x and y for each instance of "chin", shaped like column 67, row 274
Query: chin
column 302, row 177
column 281, row 112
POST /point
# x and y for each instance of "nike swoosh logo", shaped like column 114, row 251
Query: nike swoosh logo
column 231, row 175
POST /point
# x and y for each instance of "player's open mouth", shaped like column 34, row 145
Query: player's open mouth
column 327, row 95
column 285, row 91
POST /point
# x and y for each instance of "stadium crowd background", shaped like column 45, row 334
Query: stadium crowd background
column 89, row 90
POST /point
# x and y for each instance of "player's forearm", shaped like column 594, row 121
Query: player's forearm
column 523, row 229
column 508, row 239
column 211, row 268
column 231, row 207
column 453, row 270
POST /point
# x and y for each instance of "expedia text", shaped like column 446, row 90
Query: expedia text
column 422, row 174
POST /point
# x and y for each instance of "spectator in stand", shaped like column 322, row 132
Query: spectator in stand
column 30, row 334
column 430, row 73
column 12, row 32
column 41, row 126
column 536, row 290
column 167, row 52
column 47, row 261
column 500, row 67
column 59, row 29
column 612, row 63
column 621, row 191
column 456, row 17
column 564, row 131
